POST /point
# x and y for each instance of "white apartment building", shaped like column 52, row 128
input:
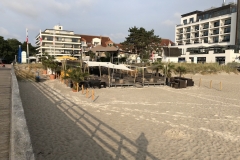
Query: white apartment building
column 58, row 42
column 210, row 36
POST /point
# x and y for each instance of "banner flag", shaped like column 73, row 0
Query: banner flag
column 27, row 35
column 40, row 38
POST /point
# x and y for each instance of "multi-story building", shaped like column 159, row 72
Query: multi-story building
column 211, row 35
column 58, row 42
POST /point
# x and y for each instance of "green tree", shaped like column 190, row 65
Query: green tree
column 14, row 46
column 142, row 41
column 169, row 68
column 4, row 48
column 181, row 70
column 157, row 66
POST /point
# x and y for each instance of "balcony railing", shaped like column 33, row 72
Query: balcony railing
column 228, row 31
column 227, row 23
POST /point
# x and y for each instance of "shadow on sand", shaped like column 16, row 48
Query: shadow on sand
column 61, row 129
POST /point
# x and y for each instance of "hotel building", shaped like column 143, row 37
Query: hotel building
column 210, row 36
column 58, row 42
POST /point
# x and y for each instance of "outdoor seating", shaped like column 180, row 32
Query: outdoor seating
column 85, row 84
column 190, row 82
column 93, row 83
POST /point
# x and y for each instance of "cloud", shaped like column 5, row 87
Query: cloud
column 168, row 22
column 36, row 8
column 177, row 15
column 60, row 8
column 23, row 7
column 117, row 37
column 5, row 33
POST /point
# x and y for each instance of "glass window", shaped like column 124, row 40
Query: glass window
column 184, row 21
column 191, row 20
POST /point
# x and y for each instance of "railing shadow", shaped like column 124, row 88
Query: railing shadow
column 115, row 143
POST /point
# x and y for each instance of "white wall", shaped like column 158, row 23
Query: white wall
column 96, row 40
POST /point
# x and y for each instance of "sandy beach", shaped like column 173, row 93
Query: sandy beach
column 160, row 122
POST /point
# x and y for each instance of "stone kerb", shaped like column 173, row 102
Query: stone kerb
column 20, row 142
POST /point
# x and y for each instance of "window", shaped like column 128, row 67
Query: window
column 205, row 33
column 184, row 21
column 74, row 40
column 197, row 27
column 205, row 40
column 191, row 20
column 215, row 39
column 227, row 22
column 216, row 24
column 201, row 59
column 220, row 60
column 205, row 26
column 226, row 38
column 216, row 31
column 227, row 30
column 95, row 43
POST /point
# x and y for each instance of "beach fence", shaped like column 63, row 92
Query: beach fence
column 209, row 83
column 89, row 93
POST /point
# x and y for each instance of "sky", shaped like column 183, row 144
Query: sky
column 111, row 18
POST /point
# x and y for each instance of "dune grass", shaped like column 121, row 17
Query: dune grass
column 209, row 68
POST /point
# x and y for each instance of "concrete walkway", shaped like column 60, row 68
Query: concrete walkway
column 5, row 110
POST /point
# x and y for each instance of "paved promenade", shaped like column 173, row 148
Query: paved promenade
column 5, row 102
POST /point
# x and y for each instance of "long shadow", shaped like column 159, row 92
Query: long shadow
column 69, row 121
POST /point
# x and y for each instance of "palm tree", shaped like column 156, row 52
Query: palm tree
column 158, row 65
column 181, row 70
column 169, row 69
column 76, row 75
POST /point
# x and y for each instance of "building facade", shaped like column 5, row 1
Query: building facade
column 209, row 36
column 58, row 42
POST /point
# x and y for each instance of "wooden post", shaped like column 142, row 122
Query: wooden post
column 220, row 86
column 211, row 84
column 92, row 94
column 77, row 87
column 82, row 89
column 143, row 76
column 135, row 75
column 200, row 82
column 109, row 77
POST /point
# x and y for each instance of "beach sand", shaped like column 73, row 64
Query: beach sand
column 160, row 122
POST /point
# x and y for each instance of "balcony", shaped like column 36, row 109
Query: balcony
column 214, row 33
column 225, row 40
column 227, row 23
column 227, row 31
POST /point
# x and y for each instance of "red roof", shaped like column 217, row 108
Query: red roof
column 165, row 42
column 104, row 40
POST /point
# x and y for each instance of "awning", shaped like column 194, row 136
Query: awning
column 107, row 64
column 100, row 48
column 65, row 58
